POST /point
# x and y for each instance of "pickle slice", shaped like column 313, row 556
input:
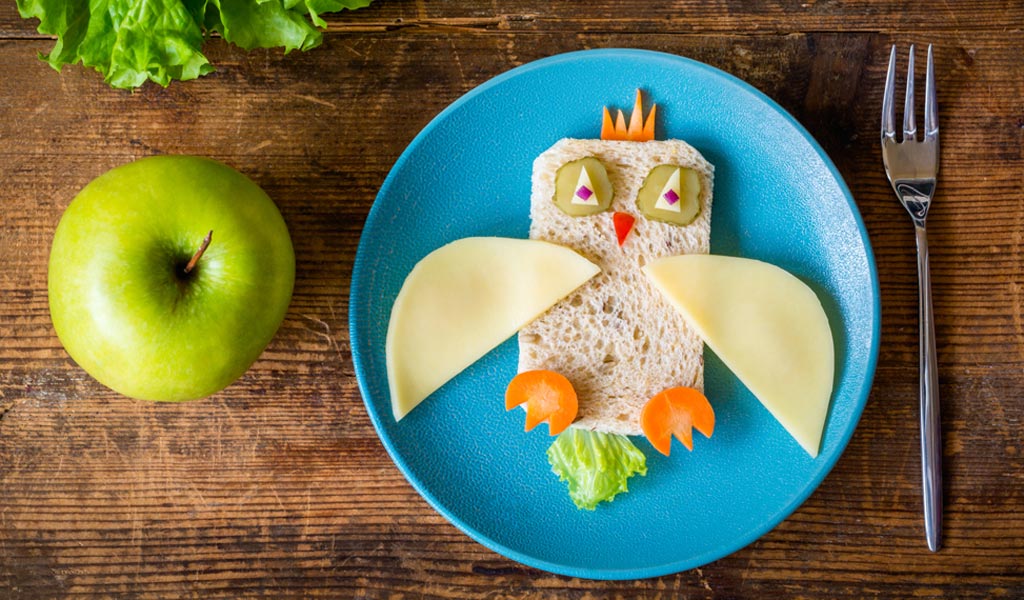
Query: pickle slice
column 577, row 202
column 685, row 206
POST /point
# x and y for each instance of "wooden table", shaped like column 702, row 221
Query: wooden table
column 279, row 487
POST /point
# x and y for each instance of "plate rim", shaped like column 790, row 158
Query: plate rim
column 661, row 569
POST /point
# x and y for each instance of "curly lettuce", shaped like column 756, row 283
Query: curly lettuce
column 132, row 41
column 595, row 465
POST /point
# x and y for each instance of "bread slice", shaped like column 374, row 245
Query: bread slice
column 615, row 338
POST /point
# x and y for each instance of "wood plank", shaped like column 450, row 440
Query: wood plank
column 961, row 19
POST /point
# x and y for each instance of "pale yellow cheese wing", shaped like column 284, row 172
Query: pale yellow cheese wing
column 766, row 325
column 463, row 300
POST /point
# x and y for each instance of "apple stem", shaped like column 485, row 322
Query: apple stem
column 199, row 253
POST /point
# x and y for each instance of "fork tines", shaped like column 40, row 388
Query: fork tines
column 931, row 117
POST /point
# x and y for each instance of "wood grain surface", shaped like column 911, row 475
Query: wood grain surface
column 278, row 487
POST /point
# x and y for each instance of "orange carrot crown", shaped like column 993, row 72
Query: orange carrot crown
column 639, row 130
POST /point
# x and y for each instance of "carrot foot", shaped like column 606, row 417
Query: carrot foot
column 548, row 395
column 675, row 412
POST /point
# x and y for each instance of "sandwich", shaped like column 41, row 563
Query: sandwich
column 621, row 202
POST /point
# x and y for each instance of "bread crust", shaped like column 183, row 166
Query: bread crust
column 616, row 339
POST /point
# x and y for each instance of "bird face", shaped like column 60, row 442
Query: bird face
column 669, row 193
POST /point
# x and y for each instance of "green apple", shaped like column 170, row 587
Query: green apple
column 124, row 302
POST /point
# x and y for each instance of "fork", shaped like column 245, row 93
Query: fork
column 912, row 166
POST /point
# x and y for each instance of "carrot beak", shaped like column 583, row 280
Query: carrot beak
column 623, row 225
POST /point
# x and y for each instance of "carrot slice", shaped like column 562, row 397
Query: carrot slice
column 676, row 411
column 638, row 130
column 648, row 133
column 623, row 225
column 607, row 127
column 548, row 395
column 620, row 126
column 636, row 120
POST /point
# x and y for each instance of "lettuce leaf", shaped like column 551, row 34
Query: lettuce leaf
column 132, row 41
column 596, row 465
column 254, row 24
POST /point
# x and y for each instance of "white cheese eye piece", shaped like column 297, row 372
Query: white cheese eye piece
column 670, row 194
column 582, row 188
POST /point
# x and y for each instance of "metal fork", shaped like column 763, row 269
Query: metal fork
column 912, row 166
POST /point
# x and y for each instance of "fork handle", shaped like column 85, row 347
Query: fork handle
column 931, row 435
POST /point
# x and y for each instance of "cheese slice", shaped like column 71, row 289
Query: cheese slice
column 766, row 325
column 463, row 300
column 586, row 193
column 670, row 197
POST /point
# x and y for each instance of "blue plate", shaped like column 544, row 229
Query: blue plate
column 778, row 198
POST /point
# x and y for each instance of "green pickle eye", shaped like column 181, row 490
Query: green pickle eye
column 670, row 194
column 582, row 188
